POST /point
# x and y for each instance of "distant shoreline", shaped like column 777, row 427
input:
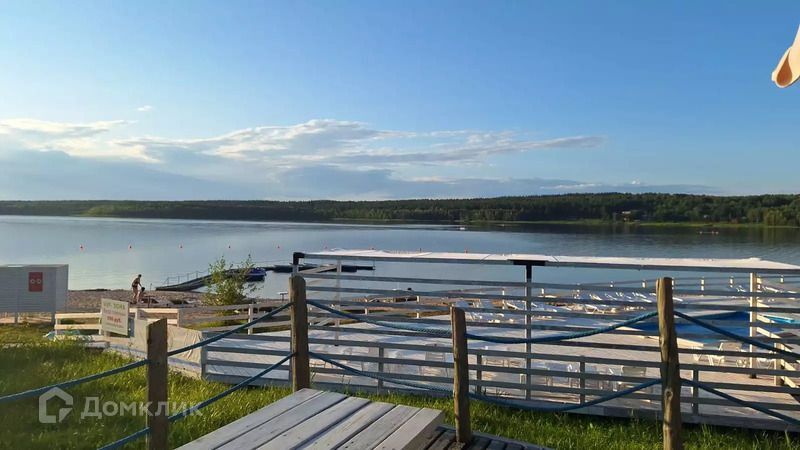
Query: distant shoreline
column 606, row 210
column 493, row 224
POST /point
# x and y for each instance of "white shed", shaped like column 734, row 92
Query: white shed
column 34, row 288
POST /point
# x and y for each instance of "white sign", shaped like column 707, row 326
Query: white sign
column 114, row 316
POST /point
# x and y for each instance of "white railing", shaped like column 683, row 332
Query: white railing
column 568, row 371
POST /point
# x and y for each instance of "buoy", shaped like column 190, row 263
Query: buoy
column 279, row 247
column 229, row 246
column 181, row 246
column 81, row 246
column 130, row 246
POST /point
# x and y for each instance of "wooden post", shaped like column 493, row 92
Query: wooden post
column 695, row 392
column 460, row 375
column 157, row 369
column 301, row 376
column 670, row 368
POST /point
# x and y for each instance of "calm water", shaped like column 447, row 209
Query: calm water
column 114, row 250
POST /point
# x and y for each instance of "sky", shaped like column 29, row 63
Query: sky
column 180, row 100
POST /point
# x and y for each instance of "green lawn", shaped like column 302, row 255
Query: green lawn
column 22, row 333
column 40, row 363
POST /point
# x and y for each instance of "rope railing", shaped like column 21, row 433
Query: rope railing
column 67, row 384
column 225, row 393
column 565, row 407
column 191, row 410
column 563, row 336
column 70, row 383
column 745, row 339
column 439, row 332
column 744, row 403
column 225, row 334
column 378, row 376
column 127, row 439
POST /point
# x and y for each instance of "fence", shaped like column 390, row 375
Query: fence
column 403, row 336
column 437, row 342
column 205, row 318
column 158, row 417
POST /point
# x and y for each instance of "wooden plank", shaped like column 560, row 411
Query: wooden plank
column 380, row 429
column 267, row 431
column 77, row 326
column 413, row 433
column 87, row 315
column 478, row 443
column 444, row 440
column 432, row 437
column 157, row 369
column 314, row 426
column 496, row 444
column 345, row 430
column 230, row 431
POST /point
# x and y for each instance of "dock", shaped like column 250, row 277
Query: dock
column 315, row 419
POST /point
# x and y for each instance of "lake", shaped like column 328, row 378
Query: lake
column 108, row 253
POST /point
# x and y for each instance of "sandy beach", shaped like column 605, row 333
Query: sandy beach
column 89, row 300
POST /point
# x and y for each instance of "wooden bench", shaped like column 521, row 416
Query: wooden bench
column 313, row 419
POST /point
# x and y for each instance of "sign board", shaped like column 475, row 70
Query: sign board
column 35, row 281
column 114, row 316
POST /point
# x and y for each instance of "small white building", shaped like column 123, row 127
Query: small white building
column 33, row 288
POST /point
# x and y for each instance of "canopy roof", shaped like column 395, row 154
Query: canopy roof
column 747, row 265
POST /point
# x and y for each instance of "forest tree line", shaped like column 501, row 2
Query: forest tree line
column 770, row 210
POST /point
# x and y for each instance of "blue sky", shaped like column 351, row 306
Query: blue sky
column 335, row 99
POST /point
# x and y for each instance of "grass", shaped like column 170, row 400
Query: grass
column 40, row 363
column 23, row 333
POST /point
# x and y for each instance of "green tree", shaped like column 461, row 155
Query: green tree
column 228, row 283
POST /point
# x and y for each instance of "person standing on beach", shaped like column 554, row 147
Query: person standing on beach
column 137, row 283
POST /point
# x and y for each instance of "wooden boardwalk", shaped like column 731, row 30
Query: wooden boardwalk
column 444, row 439
column 315, row 419
column 312, row 419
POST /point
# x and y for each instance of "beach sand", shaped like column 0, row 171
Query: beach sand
column 89, row 300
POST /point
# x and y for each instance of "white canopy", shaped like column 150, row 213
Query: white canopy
column 746, row 265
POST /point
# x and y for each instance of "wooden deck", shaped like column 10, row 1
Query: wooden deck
column 444, row 439
column 313, row 419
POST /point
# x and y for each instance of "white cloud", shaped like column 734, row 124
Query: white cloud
column 264, row 155
column 348, row 143
column 90, row 139
column 144, row 108
column 34, row 127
